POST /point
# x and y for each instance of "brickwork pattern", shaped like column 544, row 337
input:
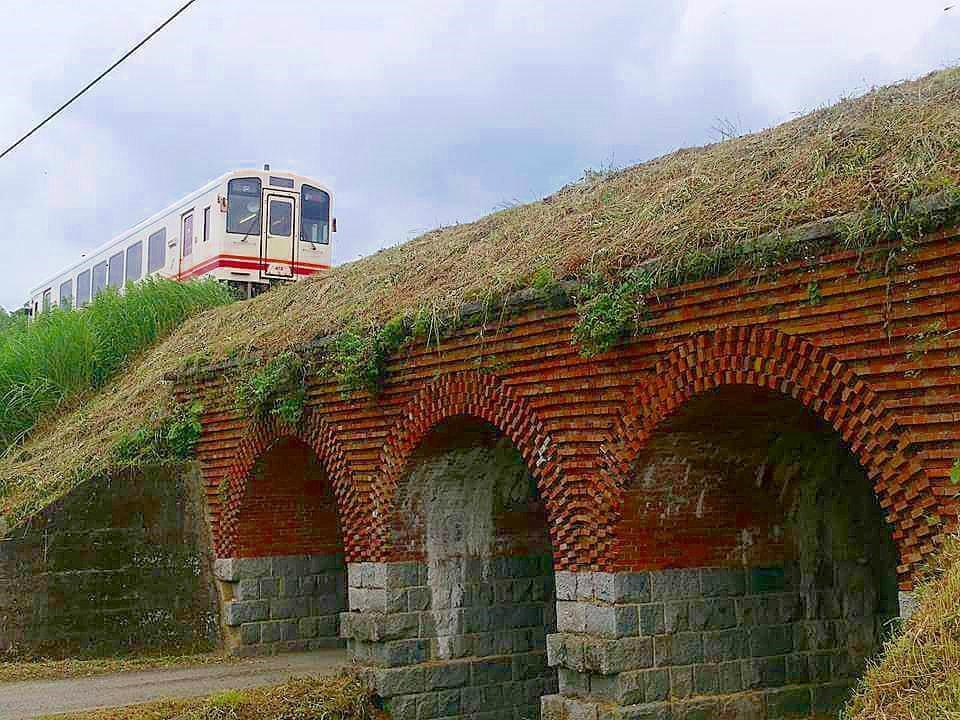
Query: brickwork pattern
column 854, row 357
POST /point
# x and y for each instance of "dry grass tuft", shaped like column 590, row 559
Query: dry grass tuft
column 876, row 151
column 918, row 675
column 323, row 698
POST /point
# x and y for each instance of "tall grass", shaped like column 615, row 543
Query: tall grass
column 63, row 352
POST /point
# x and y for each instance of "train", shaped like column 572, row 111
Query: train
column 248, row 228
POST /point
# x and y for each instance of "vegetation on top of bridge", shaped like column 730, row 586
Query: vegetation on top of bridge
column 608, row 242
column 918, row 675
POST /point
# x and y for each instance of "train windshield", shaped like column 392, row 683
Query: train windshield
column 243, row 206
column 315, row 208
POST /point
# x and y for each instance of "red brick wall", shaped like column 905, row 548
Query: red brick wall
column 289, row 507
column 854, row 358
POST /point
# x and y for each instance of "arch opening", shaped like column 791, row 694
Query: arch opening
column 468, row 514
column 790, row 567
column 285, row 586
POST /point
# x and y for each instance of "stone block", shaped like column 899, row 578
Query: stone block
column 656, row 685
column 676, row 616
column 491, row 670
column 744, row 706
column 286, row 565
column 716, row 582
column 247, row 589
column 308, row 627
column 226, row 569
column 788, row 703
column 729, row 678
column 829, row 699
column 713, row 614
column 573, row 683
column 269, row 587
column 446, row 675
column 254, row 567
column 401, row 575
column 650, row 619
column 706, row 679
column 764, row 672
column 678, row 649
column 674, row 584
column 771, row 640
column 237, row 613
column 611, row 621
column 448, row 703
column 586, row 591
column 250, row 633
column 681, row 682
column 529, row 665
column 571, row 616
column 417, row 599
column 296, row 607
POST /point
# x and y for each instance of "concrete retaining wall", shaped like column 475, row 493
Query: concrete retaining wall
column 121, row 563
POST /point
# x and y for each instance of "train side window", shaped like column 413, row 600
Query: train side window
column 99, row 278
column 134, row 262
column 115, row 277
column 83, row 288
column 66, row 294
column 157, row 250
column 315, row 215
column 206, row 224
column 243, row 206
column 46, row 300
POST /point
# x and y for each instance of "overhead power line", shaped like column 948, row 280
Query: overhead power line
column 97, row 79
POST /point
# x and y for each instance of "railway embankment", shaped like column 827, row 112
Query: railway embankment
column 868, row 177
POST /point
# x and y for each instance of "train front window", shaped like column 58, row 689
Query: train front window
column 243, row 206
column 281, row 217
column 315, row 212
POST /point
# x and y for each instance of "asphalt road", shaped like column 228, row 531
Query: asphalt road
column 30, row 699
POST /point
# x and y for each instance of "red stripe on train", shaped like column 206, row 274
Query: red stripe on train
column 242, row 263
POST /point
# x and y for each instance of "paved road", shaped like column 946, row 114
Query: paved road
column 23, row 700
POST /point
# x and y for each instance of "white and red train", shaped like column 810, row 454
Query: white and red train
column 248, row 228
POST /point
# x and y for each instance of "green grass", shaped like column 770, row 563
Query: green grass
column 308, row 698
column 63, row 352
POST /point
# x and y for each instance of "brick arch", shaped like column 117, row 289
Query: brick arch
column 317, row 434
column 482, row 396
column 768, row 358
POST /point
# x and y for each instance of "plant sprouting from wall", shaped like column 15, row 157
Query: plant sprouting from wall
column 278, row 388
column 174, row 438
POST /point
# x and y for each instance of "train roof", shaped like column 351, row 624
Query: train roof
column 143, row 224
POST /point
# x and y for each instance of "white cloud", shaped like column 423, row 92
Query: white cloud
column 416, row 112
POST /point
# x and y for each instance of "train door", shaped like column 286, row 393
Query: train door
column 277, row 250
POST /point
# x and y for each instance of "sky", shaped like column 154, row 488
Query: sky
column 416, row 114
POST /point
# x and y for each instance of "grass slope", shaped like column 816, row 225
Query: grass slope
column 64, row 352
column 918, row 675
column 876, row 151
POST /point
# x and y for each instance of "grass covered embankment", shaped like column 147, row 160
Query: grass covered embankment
column 62, row 353
column 682, row 216
column 918, row 675
column 336, row 698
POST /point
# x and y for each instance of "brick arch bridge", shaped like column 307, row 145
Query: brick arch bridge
column 875, row 357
